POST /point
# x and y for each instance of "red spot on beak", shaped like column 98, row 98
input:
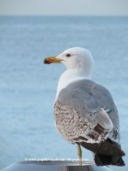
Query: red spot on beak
column 49, row 62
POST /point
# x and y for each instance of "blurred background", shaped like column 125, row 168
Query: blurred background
column 31, row 30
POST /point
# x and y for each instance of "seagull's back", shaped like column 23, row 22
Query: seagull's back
column 85, row 113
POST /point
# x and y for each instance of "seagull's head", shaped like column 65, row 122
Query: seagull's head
column 74, row 58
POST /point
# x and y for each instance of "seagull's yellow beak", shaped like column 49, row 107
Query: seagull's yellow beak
column 51, row 59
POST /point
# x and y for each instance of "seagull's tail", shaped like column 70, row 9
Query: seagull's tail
column 109, row 153
column 102, row 160
column 106, row 153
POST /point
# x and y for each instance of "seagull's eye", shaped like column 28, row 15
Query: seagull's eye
column 68, row 55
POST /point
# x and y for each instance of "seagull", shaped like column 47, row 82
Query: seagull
column 85, row 113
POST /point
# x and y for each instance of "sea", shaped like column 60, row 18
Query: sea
column 28, row 87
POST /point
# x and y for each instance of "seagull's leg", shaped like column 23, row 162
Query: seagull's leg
column 79, row 153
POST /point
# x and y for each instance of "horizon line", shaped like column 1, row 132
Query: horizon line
column 39, row 15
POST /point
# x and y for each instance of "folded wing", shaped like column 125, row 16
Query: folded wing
column 85, row 111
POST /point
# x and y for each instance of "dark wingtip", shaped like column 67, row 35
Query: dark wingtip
column 102, row 160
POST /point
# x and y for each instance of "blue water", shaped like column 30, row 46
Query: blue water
column 28, row 88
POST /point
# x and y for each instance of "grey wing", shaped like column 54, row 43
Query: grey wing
column 81, row 112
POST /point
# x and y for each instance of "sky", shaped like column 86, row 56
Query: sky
column 64, row 7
